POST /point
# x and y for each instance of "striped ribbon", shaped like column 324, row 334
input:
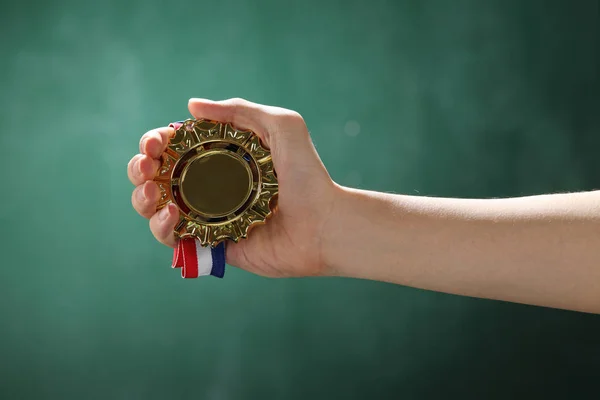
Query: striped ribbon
column 194, row 259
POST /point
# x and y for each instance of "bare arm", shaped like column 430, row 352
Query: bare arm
column 540, row 250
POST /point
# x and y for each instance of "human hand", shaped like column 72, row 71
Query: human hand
column 290, row 244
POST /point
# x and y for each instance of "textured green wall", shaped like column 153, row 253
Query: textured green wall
column 448, row 98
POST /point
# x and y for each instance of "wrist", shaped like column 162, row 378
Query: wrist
column 359, row 232
column 378, row 236
column 330, row 241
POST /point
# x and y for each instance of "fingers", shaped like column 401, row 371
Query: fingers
column 163, row 223
column 241, row 113
column 144, row 198
column 142, row 168
column 154, row 142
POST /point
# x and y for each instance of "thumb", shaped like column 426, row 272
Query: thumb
column 240, row 113
column 282, row 130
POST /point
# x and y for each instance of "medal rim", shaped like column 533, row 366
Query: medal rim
column 261, row 203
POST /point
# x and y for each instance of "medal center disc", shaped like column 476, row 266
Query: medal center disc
column 216, row 183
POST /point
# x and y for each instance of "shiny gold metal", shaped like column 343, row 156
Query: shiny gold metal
column 221, row 179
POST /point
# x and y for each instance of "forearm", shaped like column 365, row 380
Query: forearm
column 542, row 250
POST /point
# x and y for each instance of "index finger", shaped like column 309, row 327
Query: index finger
column 153, row 143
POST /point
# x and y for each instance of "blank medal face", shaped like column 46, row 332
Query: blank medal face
column 216, row 184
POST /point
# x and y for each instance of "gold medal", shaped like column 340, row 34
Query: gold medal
column 221, row 179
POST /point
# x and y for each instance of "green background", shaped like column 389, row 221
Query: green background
column 445, row 98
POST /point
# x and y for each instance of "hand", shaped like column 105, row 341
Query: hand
column 290, row 244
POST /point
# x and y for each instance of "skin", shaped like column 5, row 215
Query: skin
column 538, row 250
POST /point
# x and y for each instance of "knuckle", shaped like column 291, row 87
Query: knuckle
column 238, row 108
column 162, row 235
column 135, row 198
column 290, row 121
column 153, row 134
column 142, row 144
column 157, row 236
column 285, row 115
column 137, row 206
column 293, row 117
column 238, row 102
column 145, row 136
column 131, row 164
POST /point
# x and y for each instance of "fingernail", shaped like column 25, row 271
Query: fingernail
column 164, row 213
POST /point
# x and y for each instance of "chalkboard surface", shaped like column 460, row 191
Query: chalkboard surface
column 448, row 98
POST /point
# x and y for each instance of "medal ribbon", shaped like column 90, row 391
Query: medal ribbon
column 194, row 259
